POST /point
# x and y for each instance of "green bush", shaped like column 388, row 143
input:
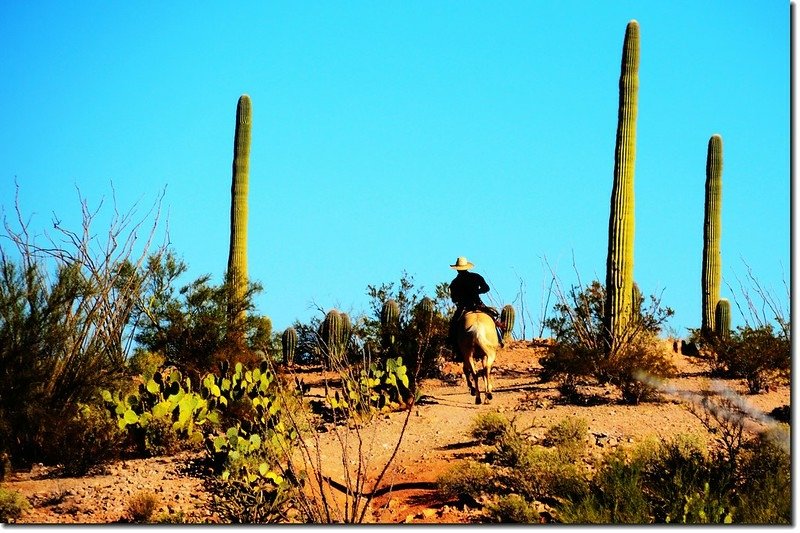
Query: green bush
column 755, row 354
column 581, row 353
column 676, row 472
column 12, row 505
column 191, row 329
column 89, row 438
column 765, row 494
column 615, row 496
column 54, row 353
column 466, row 481
column 488, row 428
column 513, row 509
column 569, row 437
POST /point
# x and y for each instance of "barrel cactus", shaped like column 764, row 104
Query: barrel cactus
column 722, row 319
column 619, row 263
column 288, row 345
column 712, row 257
column 237, row 255
column 390, row 323
column 335, row 333
column 507, row 315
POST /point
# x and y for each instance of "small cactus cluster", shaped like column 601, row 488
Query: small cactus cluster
column 334, row 332
column 507, row 315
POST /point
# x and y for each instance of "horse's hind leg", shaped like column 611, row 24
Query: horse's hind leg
column 469, row 372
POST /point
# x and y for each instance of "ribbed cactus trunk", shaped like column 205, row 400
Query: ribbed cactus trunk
column 288, row 345
column 507, row 316
column 390, row 326
column 619, row 263
column 237, row 255
column 722, row 319
column 712, row 257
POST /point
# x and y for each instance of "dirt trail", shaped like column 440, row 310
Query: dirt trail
column 436, row 436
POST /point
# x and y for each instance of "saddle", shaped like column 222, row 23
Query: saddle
column 482, row 308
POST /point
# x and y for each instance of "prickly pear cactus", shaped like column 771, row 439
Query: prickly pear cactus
column 507, row 315
column 712, row 257
column 619, row 263
column 237, row 255
column 288, row 345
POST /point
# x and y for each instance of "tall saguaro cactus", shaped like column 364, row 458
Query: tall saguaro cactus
column 712, row 258
column 237, row 256
column 619, row 263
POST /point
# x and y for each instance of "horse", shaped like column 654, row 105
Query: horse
column 477, row 340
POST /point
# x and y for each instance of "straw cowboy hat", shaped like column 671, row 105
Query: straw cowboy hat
column 462, row 264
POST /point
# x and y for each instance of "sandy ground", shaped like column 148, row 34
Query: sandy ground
column 436, row 436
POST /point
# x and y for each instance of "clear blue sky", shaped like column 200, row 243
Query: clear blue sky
column 391, row 136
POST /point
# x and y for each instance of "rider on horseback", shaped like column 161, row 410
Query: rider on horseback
column 465, row 291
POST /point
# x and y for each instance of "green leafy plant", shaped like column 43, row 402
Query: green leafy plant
column 488, row 428
column 466, row 481
column 579, row 353
column 12, row 505
column 756, row 354
column 513, row 509
column 65, row 305
column 162, row 410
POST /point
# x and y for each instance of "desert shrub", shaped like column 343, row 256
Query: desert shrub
column 513, row 509
column 12, row 505
column 141, row 506
column 637, row 367
column 614, row 497
column 676, row 473
column 145, row 363
column 581, row 351
column 89, row 438
column 64, row 311
column 569, row 437
column 168, row 518
column 466, row 481
column 5, row 465
column 192, row 329
column 755, row 354
column 421, row 340
column 239, row 501
column 765, row 493
column 544, row 474
column 488, row 428
column 535, row 472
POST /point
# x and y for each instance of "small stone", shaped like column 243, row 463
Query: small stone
column 427, row 513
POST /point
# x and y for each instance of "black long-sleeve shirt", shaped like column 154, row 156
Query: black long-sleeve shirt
column 466, row 288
